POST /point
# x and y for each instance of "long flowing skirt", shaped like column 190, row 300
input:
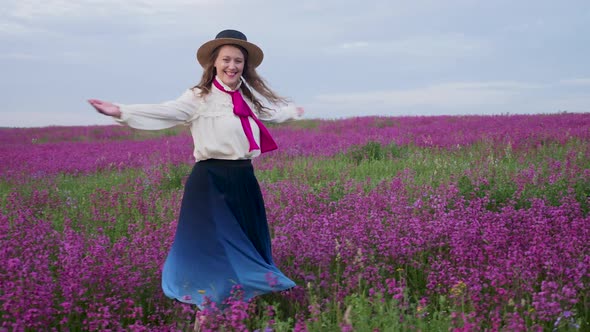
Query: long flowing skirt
column 222, row 237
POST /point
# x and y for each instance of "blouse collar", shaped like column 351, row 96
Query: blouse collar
column 227, row 88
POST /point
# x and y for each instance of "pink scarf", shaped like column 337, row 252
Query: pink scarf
column 242, row 110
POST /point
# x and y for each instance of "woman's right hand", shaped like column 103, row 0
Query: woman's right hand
column 106, row 108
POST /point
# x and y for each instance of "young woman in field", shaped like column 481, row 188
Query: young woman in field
column 222, row 238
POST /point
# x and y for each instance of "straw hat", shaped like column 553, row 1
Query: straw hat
column 231, row 37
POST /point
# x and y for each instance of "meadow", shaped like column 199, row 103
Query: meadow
column 440, row 223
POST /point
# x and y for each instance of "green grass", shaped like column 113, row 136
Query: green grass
column 372, row 164
column 100, row 200
column 465, row 167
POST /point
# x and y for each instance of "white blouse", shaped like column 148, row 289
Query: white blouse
column 217, row 132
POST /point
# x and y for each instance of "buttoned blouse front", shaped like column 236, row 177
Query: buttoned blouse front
column 217, row 132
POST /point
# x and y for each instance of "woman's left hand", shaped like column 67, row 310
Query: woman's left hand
column 300, row 111
column 105, row 107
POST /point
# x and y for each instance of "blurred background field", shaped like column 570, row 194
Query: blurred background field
column 389, row 223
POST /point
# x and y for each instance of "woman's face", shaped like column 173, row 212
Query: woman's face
column 230, row 65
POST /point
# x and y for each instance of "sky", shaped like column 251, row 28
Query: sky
column 334, row 58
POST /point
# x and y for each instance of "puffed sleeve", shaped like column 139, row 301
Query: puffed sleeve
column 281, row 114
column 161, row 116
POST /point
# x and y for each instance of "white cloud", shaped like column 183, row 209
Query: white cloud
column 354, row 45
column 42, row 119
column 531, row 25
column 450, row 45
column 487, row 97
column 21, row 56
column 573, row 103
column 455, row 94
column 34, row 9
column 30, row 9
column 576, row 81
column 12, row 28
column 31, row 25
column 23, row 30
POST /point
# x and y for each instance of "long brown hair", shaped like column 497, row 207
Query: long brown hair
column 250, row 76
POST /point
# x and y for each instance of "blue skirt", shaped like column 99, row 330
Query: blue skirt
column 222, row 237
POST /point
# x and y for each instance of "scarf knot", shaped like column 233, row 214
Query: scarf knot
column 243, row 111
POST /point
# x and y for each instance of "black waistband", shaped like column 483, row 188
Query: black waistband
column 225, row 162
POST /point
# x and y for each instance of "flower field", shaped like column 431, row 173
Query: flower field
column 446, row 223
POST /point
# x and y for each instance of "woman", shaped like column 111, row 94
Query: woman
column 222, row 237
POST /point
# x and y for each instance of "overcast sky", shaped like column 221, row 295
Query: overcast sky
column 336, row 58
